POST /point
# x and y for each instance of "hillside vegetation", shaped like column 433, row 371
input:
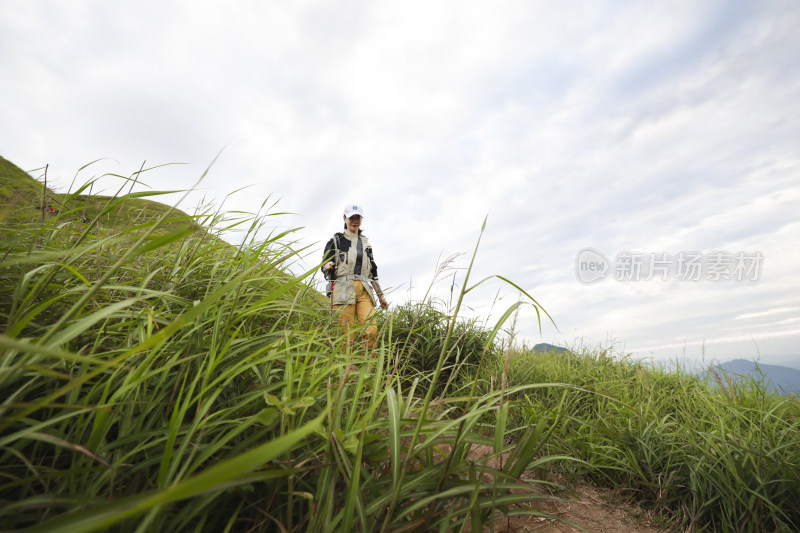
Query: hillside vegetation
column 155, row 378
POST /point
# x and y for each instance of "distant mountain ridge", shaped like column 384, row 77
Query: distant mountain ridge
column 547, row 347
column 778, row 379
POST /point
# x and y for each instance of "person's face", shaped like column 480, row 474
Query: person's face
column 353, row 223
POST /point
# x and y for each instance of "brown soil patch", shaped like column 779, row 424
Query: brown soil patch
column 579, row 508
column 589, row 509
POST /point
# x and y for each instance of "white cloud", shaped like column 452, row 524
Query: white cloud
column 774, row 311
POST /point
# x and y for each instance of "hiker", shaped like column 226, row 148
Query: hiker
column 349, row 265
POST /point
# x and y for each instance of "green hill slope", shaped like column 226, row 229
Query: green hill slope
column 19, row 193
column 23, row 198
column 15, row 182
column 110, row 226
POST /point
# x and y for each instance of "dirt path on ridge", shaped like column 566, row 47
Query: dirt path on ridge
column 594, row 509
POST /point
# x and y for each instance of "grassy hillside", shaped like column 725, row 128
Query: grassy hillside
column 25, row 199
column 722, row 458
column 155, row 378
column 15, row 183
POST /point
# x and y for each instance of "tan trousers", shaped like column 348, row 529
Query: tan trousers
column 351, row 316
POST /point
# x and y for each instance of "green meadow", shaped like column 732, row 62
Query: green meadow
column 154, row 377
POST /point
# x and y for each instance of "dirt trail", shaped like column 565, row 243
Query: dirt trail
column 589, row 508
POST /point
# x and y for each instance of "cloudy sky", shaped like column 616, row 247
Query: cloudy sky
column 628, row 128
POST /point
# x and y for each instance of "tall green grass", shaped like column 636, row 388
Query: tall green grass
column 155, row 378
column 723, row 458
column 418, row 334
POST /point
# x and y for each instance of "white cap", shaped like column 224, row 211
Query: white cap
column 353, row 209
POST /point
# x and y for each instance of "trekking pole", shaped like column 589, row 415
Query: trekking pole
column 330, row 275
column 332, row 284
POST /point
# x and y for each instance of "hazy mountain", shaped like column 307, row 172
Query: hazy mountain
column 546, row 347
column 780, row 379
column 791, row 362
